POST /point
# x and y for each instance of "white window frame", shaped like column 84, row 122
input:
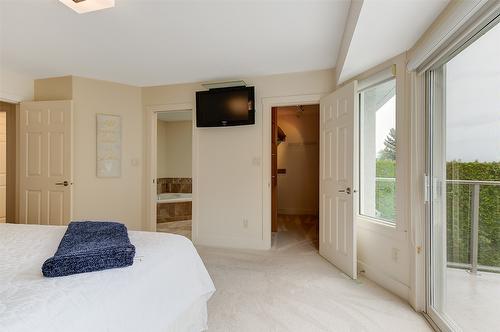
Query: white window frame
column 459, row 22
column 381, row 77
column 393, row 69
column 490, row 19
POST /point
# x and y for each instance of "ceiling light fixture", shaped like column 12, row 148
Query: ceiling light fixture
column 86, row 6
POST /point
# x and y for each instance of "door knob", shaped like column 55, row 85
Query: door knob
column 346, row 190
column 65, row 183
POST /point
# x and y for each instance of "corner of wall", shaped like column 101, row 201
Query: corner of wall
column 54, row 88
column 385, row 280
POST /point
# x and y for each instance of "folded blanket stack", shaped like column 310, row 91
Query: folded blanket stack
column 89, row 246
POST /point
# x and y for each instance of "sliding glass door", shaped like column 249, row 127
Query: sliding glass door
column 463, row 97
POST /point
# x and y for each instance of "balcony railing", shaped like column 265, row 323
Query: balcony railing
column 387, row 187
column 475, row 189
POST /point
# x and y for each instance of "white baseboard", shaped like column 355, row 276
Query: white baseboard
column 384, row 280
column 249, row 242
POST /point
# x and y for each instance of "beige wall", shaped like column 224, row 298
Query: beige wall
column 54, row 88
column 174, row 144
column 298, row 189
column 229, row 160
column 97, row 198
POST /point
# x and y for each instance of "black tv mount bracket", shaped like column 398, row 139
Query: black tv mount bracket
column 223, row 84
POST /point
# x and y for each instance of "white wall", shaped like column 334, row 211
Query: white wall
column 14, row 86
column 229, row 160
column 121, row 198
column 298, row 189
column 174, row 144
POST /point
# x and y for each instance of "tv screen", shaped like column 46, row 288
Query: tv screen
column 225, row 107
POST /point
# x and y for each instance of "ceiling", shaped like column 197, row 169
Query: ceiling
column 154, row 42
column 386, row 28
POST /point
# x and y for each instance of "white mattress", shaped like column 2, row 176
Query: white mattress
column 161, row 291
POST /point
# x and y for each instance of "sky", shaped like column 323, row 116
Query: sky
column 473, row 101
column 386, row 120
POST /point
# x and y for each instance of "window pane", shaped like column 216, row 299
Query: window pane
column 378, row 151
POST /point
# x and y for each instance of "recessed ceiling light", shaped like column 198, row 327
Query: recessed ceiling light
column 85, row 6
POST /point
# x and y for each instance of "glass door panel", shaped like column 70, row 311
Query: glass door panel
column 464, row 188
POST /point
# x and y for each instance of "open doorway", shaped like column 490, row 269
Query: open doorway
column 7, row 162
column 295, row 175
column 174, row 132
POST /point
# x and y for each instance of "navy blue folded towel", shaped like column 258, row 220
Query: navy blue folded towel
column 89, row 246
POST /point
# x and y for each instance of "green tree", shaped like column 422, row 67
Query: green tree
column 389, row 152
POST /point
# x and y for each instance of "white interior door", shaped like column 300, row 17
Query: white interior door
column 338, row 181
column 46, row 171
column 3, row 166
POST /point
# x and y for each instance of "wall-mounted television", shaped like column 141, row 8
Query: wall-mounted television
column 221, row 107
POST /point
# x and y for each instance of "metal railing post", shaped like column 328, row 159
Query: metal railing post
column 474, row 239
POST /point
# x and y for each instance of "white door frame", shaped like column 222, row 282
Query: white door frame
column 151, row 172
column 267, row 105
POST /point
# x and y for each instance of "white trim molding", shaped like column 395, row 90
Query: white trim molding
column 416, row 105
column 459, row 19
column 377, row 78
column 381, row 278
column 10, row 98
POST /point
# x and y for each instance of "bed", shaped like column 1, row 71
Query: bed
column 166, row 289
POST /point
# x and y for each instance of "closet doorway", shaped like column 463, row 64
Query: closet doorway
column 295, row 175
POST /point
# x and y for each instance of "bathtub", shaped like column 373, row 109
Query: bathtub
column 174, row 197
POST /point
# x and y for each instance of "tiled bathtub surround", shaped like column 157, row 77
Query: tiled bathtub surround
column 168, row 212
column 174, row 185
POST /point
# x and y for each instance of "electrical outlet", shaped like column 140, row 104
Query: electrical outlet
column 245, row 223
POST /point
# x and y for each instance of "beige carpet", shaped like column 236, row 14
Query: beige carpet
column 292, row 288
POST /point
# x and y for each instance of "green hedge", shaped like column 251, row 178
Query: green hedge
column 458, row 208
column 459, row 212
column 386, row 191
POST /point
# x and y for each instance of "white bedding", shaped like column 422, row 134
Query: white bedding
column 165, row 289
